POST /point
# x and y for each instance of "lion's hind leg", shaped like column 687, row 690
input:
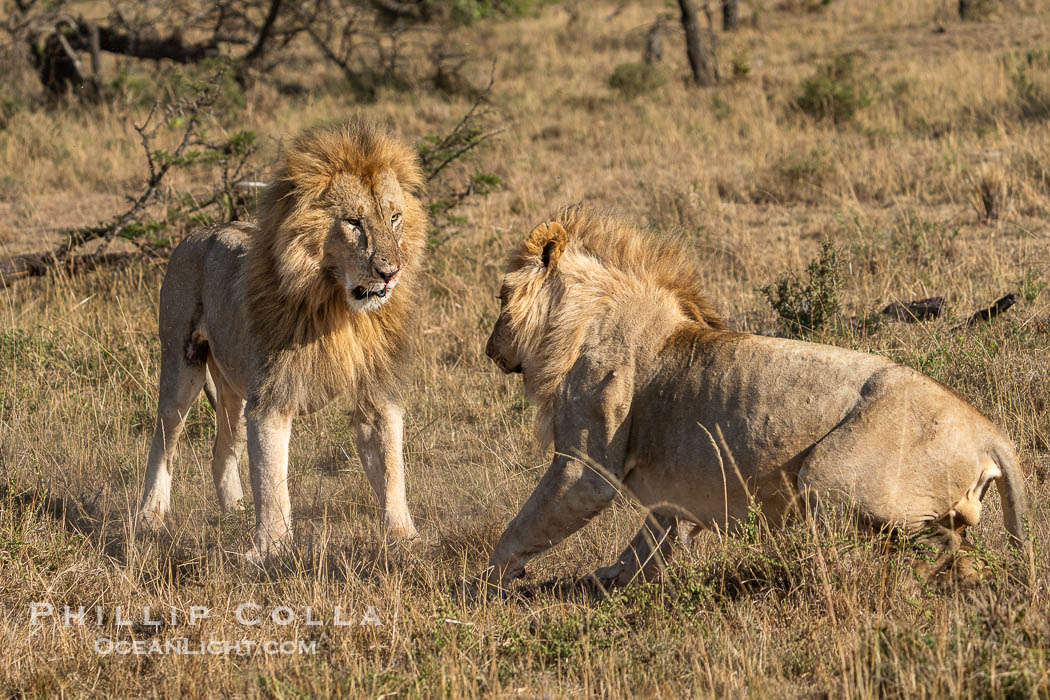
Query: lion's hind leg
column 181, row 380
column 892, row 469
column 230, row 439
column 944, row 551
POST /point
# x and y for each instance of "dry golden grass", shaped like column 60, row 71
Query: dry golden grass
column 757, row 186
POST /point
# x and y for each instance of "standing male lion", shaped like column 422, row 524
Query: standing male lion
column 640, row 387
column 313, row 302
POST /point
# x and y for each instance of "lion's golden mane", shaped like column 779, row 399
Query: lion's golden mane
column 315, row 345
column 609, row 254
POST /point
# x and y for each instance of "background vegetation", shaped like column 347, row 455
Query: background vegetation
column 850, row 155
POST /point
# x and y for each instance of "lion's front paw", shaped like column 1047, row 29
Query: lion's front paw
column 151, row 521
column 275, row 558
column 407, row 535
column 399, row 527
column 272, row 545
column 231, row 502
column 483, row 586
column 606, row 577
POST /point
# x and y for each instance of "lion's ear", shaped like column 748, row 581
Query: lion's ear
column 548, row 242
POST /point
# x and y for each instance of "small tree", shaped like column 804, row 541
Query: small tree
column 808, row 303
column 701, row 58
column 730, row 15
column 654, row 43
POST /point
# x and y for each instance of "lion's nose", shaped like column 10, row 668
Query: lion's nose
column 490, row 349
column 387, row 271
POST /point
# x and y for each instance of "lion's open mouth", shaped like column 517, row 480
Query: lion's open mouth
column 506, row 368
column 370, row 296
column 360, row 293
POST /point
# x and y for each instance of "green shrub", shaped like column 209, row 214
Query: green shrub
column 1030, row 85
column 9, row 107
column 976, row 10
column 720, row 108
column 837, row 91
column 803, row 167
column 741, row 67
column 808, row 304
column 634, row 79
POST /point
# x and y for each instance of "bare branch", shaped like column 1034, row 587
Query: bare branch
column 264, row 33
column 464, row 137
column 62, row 256
column 22, row 267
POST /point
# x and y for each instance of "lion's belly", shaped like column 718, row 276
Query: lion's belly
column 710, row 488
column 690, row 491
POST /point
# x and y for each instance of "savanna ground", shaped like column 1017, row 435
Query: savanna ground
column 959, row 115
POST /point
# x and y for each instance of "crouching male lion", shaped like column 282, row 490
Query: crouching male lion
column 313, row 302
column 640, row 387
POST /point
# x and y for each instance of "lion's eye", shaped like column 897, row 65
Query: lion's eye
column 395, row 218
column 356, row 223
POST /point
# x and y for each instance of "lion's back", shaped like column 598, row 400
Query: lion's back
column 205, row 257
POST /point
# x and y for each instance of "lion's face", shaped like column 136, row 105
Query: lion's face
column 526, row 298
column 362, row 250
column 500, row 348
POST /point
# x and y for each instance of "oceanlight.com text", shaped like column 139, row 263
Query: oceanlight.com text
column 105, row 646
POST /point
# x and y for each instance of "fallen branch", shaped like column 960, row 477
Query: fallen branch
column 911, row 311
column 65, row 256
column 56, row 39
column 22, row 267
column 985, row 315
column 401, row 9
column 172, row 48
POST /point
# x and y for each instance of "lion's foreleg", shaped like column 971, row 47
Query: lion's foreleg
column 590, row 443
column 380, row 437
column 268, row 433
column 567, row 497
column 647, row 554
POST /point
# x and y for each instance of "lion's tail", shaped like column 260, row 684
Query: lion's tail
column 1012, row 496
